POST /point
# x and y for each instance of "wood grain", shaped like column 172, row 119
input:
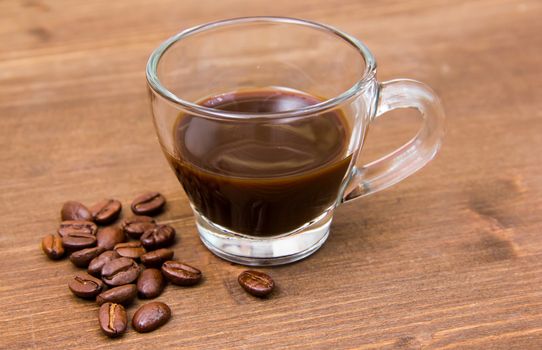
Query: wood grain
column 448, row 259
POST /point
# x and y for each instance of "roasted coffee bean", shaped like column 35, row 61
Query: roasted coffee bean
column 121, row 295
column 256, row 283
column 77, row 226
column 95, row 266
column 137, row 225
column 113, row 320
column 52, row 246
column 120, row 271
column 105, row 211
column 181, row 274
column 75, row 211
column 150, row 284
column 108, row 237
column 159, row 236
column 157, row 257
column 151, row 316
column 84, row 285
column 82, row 258
column 132, row 250
column 148, row 203
column 76, row 241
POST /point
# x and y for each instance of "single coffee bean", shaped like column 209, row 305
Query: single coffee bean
column 137, row 225
column 82, row 258
column 113, row 320
column 95, row 266
column 151, row 316
column 157, row 257
column 256, row 283
column 52, row 246
column 105, row 211
column 132, row 250
column 76, row 241
column 120, row 271
column 148, row 203
column 159, row 236
column 150, row 284
column 75, row 211
column 108, row 237
column 84, row 285
column 77, row 226
column 181, row 274
column 121, row 295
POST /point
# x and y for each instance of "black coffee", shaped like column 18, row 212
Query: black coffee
column 263, row 178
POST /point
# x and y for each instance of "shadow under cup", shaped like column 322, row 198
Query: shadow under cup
column 261, row 120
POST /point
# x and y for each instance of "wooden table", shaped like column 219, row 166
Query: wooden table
column 448, row 259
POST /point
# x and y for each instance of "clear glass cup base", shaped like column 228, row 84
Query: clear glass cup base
column 264, row 251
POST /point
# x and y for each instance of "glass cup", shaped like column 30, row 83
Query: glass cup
column 275, row 206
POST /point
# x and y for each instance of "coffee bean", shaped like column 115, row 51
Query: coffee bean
column 76, row 241
column 137, row 225
column 157, row 257
column 132, row 250
column 121, row 295
column 113, row 320
column 159, row 236
column 84, row 285
column 75, row 211
column 148, row 203
column 105, row 211
column 181, row 274
column 108, row 237
column 151, row 316
column 95, row 266
column 82, row 258
column 52, row 246
column 120, row 271
column 150, row 284
column 256, row 283
column 77, row 226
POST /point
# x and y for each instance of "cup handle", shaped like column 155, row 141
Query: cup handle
column 412, row 156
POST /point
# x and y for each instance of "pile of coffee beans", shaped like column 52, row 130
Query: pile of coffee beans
column 127, row 261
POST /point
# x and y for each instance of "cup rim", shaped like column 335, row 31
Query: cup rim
column 156, row 86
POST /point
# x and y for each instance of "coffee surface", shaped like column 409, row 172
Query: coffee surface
column 264, row 177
